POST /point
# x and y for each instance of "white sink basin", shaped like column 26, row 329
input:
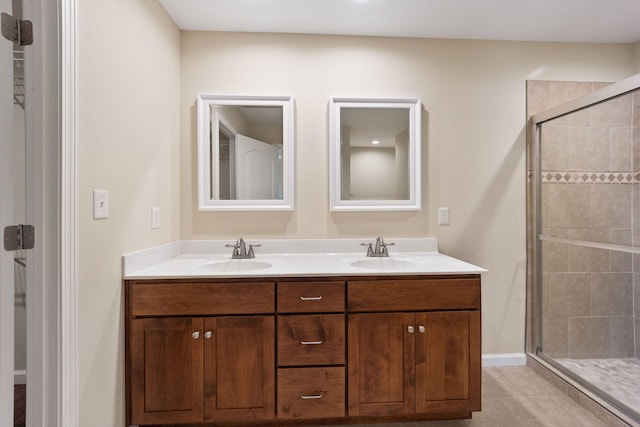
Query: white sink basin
column 233, row 265
column 385, row 263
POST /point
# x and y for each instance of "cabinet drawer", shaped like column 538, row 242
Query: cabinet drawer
column 171, row 299
column 311, row 393
column 310, row 297
column 311, row 340
column 413, row 295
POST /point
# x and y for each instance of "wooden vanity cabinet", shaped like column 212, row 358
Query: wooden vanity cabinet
column 414, row 347
column 205, row 358
column 302, row 351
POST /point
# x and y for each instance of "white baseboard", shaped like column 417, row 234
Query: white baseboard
column 505, row 359
column 19, row 377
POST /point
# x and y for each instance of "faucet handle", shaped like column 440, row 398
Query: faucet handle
column 251, row 253
column 237, row 244
column 236, row 248
column 382, row 243
column 369, row 248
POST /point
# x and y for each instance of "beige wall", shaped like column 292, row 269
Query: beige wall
column 137, row 87
column 473, row 94
column 128, row 126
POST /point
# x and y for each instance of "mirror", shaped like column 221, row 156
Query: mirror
column 375, row 154
column 245, row 152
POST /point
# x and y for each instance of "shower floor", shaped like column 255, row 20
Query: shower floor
column 618, row 377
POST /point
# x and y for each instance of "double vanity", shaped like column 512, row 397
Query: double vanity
column 305, row 332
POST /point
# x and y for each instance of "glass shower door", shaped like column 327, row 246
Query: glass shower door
column 587, row 240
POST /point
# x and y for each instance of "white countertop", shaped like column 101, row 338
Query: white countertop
column 292, row 258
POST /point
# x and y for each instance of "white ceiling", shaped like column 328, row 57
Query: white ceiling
column 597, row 21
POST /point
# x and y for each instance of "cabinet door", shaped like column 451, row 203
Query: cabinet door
column 381, row 364
column 448, row 361
column 239, row 368
column 167, row 370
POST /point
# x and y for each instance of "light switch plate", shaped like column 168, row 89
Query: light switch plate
column 155, row 218
column 100, row 204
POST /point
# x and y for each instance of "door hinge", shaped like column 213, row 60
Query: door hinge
column 19, row 31
column 19, row 237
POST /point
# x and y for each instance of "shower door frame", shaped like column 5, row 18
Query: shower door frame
column 535, row 235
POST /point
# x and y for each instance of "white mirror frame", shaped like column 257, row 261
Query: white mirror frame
column 413, row 105
column 204, row 117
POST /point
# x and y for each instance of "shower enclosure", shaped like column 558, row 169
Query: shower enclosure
column 584, row 239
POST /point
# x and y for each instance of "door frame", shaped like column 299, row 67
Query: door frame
column 52, row 368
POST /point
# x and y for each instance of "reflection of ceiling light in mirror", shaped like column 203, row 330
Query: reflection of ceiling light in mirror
column 375, row 142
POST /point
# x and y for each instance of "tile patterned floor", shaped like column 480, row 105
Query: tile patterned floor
column 516, row 396
column 618, row 377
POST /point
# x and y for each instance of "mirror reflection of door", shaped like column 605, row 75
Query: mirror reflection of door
column 246, row 150
column 257, row 170
column 226, row 163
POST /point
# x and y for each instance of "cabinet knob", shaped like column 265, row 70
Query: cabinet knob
column 410, row 329
column 196, row 335
column 208, row 335
column 421, row 329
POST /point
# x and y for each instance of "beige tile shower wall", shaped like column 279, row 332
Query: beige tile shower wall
column 588, row 183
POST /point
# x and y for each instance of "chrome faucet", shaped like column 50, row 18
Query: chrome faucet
column 380, row 249
column 240, row 250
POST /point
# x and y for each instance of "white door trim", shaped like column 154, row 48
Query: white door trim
column 69, row 350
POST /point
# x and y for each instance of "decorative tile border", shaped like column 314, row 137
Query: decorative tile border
column 562, row 177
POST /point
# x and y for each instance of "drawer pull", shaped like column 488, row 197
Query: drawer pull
column 421, row 329
column 195, row 335
column 410, row 329
column 311, row 342
column 311, row 396
column 318, row 298
column 208, row 335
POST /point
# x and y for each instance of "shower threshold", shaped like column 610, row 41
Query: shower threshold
column 620, row 378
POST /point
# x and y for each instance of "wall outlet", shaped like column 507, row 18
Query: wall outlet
column 443, row 216
column 100, row 204
column 155, row 218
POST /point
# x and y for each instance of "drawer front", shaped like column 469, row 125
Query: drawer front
column 174, row 299
column 413, row 295
column 311, row 340
column 310, row 297
column 311, row 393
